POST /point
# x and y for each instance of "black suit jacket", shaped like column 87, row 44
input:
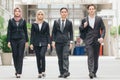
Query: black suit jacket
column 65, row 36
column 90, row 35
column 15, row 31
column 40, row 37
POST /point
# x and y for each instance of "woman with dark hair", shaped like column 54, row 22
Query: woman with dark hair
column 17, row 39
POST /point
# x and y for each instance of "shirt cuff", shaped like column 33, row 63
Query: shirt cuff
column 71, row 42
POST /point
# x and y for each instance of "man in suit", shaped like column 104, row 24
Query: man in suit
column 62, row 35
column 90, row 32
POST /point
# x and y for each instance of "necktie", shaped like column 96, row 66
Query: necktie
column 62, row 26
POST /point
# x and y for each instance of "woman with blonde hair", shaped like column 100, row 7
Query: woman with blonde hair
column 17, row 39
column 40, row 41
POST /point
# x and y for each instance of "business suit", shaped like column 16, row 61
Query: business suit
column 90, row 36
column 40, row 38
column 62, row 40
column 17, row 36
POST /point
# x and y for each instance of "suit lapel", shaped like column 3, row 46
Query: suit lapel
column 66, row 23
column 95, row 22
column 42, row 27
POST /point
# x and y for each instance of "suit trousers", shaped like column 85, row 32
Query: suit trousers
column 62, row 50
column 93, row 55
column 18, row 47
column 40, row 57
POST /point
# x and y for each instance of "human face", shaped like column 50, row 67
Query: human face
column 91, row 10
column 17, row 13
column 64, row 13
column 40, row 16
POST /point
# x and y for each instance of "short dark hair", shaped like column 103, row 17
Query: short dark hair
column 64, row 8
column 91, row 5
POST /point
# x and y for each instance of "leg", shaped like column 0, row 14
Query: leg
column 66, row 60
column 42, row 56
column 59, row 51
column 21, row 47
column 90, row 54
column 37, row 51
column 96, row 57
column 15, row 56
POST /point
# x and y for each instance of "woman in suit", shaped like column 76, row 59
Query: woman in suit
column 40, row 41
column 17, row 39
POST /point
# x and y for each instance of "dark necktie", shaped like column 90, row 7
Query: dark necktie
column 62, row 26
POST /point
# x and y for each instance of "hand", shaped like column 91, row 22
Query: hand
column 48, row 46
column 85, row 24
column 26, row 44
column 9, row 45
column 70, row 46
column 31, row 47
column 100, row 40
column 53, row 44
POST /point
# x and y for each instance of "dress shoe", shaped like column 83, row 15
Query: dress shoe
column 43, row 74
column 15, row 74
column 95, row 75
column 60, row 76
column 40, row 76
column 91, row 75
column 18, row 76
column 66, row 74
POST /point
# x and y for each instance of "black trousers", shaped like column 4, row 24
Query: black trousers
column 62, row 50
column 18, row 47
column 40, row 57
column 93, row 56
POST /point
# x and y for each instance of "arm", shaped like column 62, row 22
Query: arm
column 82, row 29
column 25, row 31
column 71, row 33
column 9, row 34
column 48, row 36
column 53, row 34
column 103, row 29
column 9, row 31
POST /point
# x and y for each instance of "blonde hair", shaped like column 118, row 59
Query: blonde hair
column 39, row 11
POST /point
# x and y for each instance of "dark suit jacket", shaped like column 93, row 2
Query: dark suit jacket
column 40, row 37
column 90, row 35
column 65, row 36
column 15, row 31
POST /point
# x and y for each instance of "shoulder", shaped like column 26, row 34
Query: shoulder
column 99, row 17
column 67, row 20
column 44, row 22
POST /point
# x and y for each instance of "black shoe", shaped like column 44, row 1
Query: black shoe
column 60, row 76
column 91, row 75
column 15, row 74
column 40, row 76
column 66, row 74
column 18, row 76
column 43, row 75
column 95, row 75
